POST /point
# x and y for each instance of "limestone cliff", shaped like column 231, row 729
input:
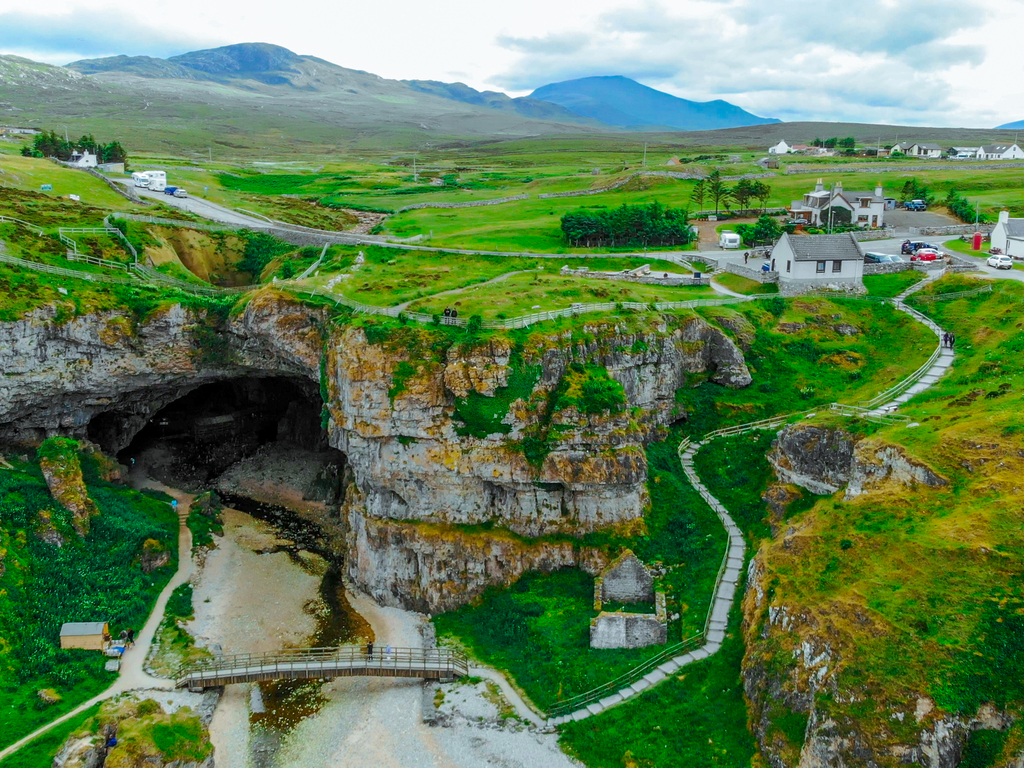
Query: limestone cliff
column 396, row 400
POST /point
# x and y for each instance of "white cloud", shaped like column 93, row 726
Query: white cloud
column 907, row 61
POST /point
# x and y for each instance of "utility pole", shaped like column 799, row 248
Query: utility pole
column 415, row 174
column 645, row 154
column 211, row 154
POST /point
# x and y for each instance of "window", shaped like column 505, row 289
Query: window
column 820, row 267
column 837, row 266
column 787, row 265
column 865, row 202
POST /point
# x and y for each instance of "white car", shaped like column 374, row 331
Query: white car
column 1000, row 262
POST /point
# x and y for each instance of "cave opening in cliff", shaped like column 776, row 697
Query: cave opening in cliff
column 252, row 436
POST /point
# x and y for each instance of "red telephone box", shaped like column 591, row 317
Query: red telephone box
column 977, row 241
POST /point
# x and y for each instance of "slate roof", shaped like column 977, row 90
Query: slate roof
column 79, row 628
column 995, row 149
column 929, row 146
column 1015, row 229
column 825, row 247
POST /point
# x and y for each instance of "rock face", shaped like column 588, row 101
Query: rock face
column 824, row 460
column 392, row 407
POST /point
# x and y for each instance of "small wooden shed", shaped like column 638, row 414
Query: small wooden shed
column 90, row 635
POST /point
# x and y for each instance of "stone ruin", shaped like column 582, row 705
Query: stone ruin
column 627, row 580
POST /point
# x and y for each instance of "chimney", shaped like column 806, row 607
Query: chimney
column 819, row 186
column 839, row 187
column 878, row 189
column 1004, row 217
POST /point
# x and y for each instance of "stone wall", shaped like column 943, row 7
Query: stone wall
column 953, row 229
column 888, row 167
column 626, row 580
column 650, row 278
column 752, row 274
column 875, row 234
column 888, row 268
column 627, row 630
column 467, row 204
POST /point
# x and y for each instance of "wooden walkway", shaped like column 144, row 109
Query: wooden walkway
column 317, row 663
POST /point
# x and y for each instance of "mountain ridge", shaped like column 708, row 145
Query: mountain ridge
column 620, row 101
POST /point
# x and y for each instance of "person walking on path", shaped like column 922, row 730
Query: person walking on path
column 131, row 638
column 945, row 339
column 746, row 255
column 952, row 340
column 369, row 651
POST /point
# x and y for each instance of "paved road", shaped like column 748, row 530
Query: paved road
column 200, row 207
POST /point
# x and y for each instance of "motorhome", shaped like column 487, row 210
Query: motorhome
column 157, row 180
column 140, row 180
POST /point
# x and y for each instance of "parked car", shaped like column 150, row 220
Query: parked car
column 925, row 254
column 170, row 190
column 881, row 258
column 916, row 205
column 909, row 246
column 926, row 247
column 179, row 192
column 1000, row 262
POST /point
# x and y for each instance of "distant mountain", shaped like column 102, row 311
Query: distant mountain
column 1019, row 125
column 525, row 106
column 620, row 101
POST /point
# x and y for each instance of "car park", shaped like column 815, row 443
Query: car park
column 1000, row 262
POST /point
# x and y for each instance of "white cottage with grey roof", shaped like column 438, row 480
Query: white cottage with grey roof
column 866, row 208
column 1008, row 235
column 1001, row 152
column 819, row 262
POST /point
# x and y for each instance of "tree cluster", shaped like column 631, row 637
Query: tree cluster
column 628, row 225
column 52, row 145
column 715, row 191
column 764, row 231
column 916, row 190
column 848, row 143
column 960, row 207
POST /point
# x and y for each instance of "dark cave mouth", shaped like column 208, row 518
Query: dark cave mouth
column 193, row 440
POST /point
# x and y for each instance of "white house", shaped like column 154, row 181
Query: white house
column 932, row 151
column 782, row 148
column 83, row 160
column 1008, row 235
column 808, row 262
column 1001, row 152
column 902, row 147
column 867, row 209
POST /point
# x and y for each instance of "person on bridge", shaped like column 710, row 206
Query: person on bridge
column 387, row 653
column 369, row 651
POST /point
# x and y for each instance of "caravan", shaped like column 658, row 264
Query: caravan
column 157, row 180
column 729, row 240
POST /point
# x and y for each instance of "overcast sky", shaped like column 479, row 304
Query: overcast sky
column 920, row 62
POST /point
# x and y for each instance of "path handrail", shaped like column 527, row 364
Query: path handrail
column 957, row 295
column 20, row 223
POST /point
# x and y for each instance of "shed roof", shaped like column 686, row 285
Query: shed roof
column 829, row 247
column 78, row 628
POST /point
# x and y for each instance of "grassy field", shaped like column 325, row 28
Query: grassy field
column 522, row 294
column 744, row 285
column 29, row 174
column 40, row 753
column 892, row 285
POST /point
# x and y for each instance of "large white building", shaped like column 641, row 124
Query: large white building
column 782, row 148
column 1008, row 235
column 867, row 209
column 1001, row 152
column 808, row 262
column 83, row 160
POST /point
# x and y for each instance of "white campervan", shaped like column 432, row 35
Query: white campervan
column 140, row 180
column 157, row 180
column 729, row 240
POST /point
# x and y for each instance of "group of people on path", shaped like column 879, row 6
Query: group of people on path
column 948, row 340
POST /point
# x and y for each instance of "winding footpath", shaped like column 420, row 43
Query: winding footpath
column 731, row 573
column 132, row 675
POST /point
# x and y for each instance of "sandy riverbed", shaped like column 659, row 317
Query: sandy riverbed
column 251, row 598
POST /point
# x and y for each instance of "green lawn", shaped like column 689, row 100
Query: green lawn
column 892, row 285
column 744, row 285
column 40, row 753
column 524, row 294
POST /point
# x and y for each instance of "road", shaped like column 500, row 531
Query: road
column 200, row 207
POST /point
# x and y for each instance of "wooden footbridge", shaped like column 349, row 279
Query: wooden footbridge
column 315, row 663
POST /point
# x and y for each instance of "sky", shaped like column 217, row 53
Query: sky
column 909, row 62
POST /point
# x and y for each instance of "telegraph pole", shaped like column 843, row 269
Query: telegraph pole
column 645, row 154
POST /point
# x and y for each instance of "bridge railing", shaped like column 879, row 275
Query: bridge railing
column 289, row 662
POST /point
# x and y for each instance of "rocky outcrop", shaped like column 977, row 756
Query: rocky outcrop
column 62, row 471
column 823, row 460
column 435, row 568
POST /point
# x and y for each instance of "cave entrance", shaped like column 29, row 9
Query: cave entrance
column 251, row 432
